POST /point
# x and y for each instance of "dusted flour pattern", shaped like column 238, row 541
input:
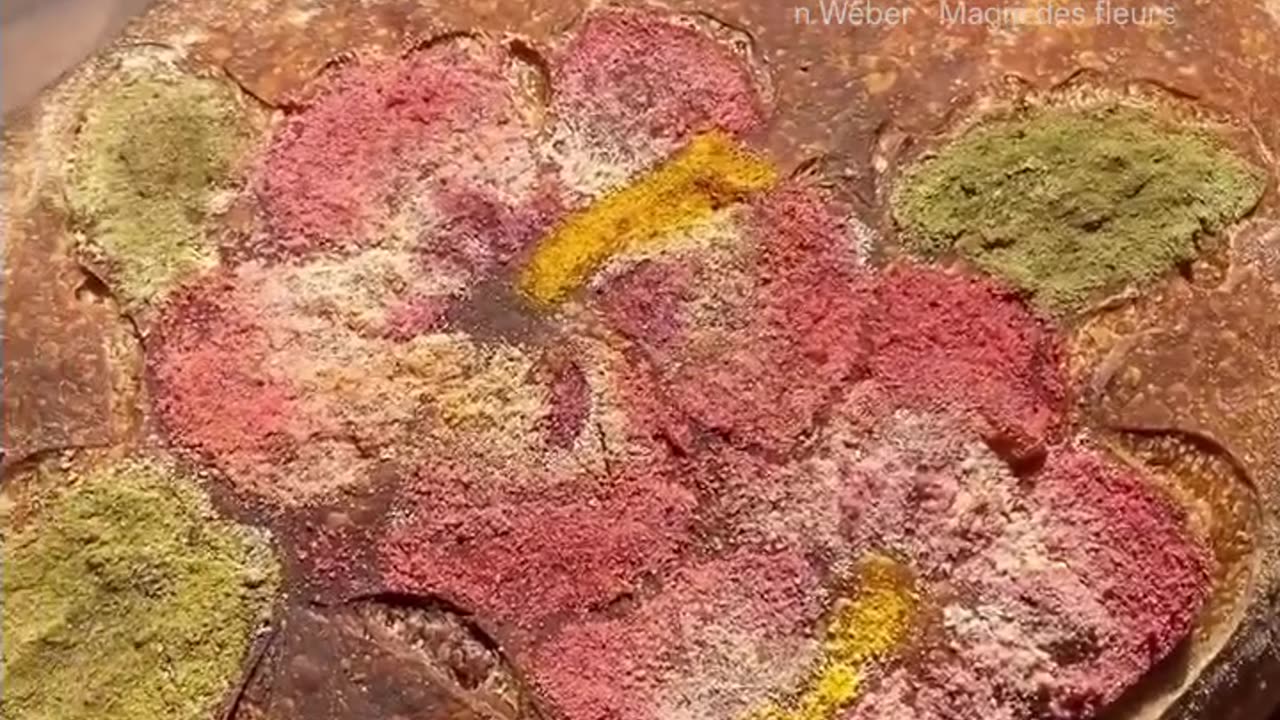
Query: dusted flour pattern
column 559, row 395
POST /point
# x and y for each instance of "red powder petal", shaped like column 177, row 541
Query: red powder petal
column 635, row 76
column 524, row 557
column 797, row 337
column 210, row 395
column 953, row 341
column 627, row 664
column 1131, row 545
column 333, row 167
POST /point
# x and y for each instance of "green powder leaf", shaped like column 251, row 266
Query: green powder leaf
column 1072, row 205
column 151, row 155
column 126, row 597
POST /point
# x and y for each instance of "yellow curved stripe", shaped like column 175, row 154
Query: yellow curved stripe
column 863, row 631
column 711, row 172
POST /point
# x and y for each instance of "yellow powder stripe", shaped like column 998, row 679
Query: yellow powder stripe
column 711, row 172
column 862, row 631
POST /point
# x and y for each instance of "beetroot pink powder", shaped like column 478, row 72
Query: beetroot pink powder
column 332, row 166
column 632, row 75
column 710, row 642
column 1129, row 543
column 211, row 396
column 950, row 340
column 761, row 367
column 524, row 556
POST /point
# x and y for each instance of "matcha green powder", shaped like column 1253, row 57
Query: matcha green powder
column 1072, row 205
column 126, row 598
column 150, row 158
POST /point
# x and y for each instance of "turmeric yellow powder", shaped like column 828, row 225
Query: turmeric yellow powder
column 863, row 630
column 713, row 171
